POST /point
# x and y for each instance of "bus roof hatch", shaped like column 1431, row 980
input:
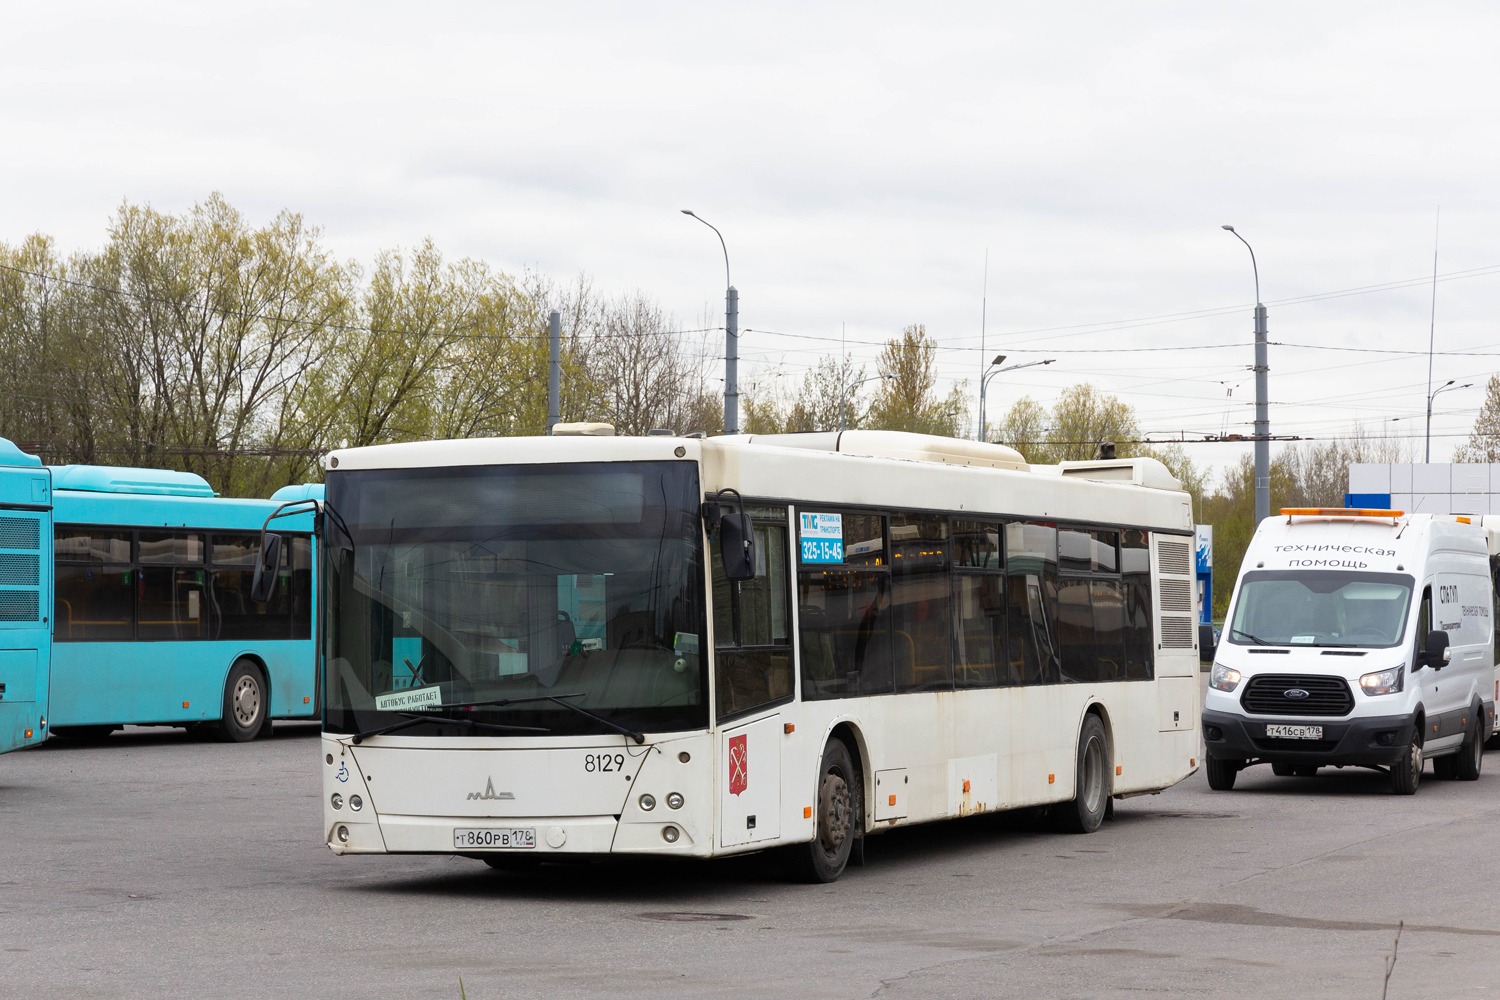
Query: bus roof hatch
column 106, row 479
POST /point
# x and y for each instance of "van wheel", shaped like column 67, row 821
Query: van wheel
column 1086, row 811
column 1221, row 774
column 244, row 703
column 1406, row 773
column 839, row 813
column 1470, row 757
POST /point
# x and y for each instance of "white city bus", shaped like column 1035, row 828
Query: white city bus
column 683, row 646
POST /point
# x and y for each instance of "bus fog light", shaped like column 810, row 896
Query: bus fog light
column 670, row 834
column 337, row 801
column 1383, row 681
column 356, row 803
column 674, row 800
column 647, row 802
column 343, row 835
column 1223, row 678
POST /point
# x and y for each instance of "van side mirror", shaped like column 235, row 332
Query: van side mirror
column 1207, row 644
column 736, row 535
column 1437, row 653
column 267, row 561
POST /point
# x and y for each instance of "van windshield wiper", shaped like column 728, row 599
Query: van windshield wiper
column 417, row 718
column 1253, row 638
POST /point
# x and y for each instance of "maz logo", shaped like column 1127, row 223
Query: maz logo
column 489, row 793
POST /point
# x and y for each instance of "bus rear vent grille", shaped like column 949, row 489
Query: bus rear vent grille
column 1175, row 557
column 18, row 606
column 1267, row 695
column 20, row 533
column 1176, row 633
column 1176, row 595
column 18, row 570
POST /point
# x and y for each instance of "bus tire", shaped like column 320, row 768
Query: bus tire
column 838, row 817
column 1221, row 774
column 1470, row 757
column 1092, row 788
column 1406, row 773
column 244, row 703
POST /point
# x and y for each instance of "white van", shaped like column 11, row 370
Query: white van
column 1356, row 638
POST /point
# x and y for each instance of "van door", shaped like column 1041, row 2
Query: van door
column 1447, row 689
column 25, row 604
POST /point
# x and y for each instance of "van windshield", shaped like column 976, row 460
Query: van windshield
column 1321, row 608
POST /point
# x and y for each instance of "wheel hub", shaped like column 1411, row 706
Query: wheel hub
column 246, row 701
column 833, row 812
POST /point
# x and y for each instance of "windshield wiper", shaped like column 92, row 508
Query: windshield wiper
column 416, row 718
column 1253, row 638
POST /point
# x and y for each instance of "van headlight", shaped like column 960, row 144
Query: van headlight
column 1223, row 678
column 1383, row 681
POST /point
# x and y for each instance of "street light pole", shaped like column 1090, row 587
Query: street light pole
column 1262, row 434
column 984, row 381
column 731, row 337
column 851, row 387
column 1427, row 456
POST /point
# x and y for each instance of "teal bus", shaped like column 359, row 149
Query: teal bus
column 146, row 616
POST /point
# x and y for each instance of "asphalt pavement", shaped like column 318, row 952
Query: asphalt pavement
column 158, row 866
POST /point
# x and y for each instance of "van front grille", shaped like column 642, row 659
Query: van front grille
column 1267, row 695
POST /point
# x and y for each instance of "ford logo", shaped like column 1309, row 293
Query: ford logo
column 1297, row 693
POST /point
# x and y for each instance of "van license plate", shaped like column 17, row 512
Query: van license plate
column 1295, row 732
column 503, row 839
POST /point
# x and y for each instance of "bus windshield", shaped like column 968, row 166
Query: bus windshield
column 452, row 586
column 1321, row 608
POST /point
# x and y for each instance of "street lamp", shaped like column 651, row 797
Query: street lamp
column 844, row 393
column 731, row 337
column 1442, row 388
column 1262, row 434
column 984, row 382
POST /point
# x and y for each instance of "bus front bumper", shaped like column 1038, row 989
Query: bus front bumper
column 1377, row 741
column 549, row 835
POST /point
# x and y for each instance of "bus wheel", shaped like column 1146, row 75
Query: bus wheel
column 1086, row 811
column 839, row 813
column 1221, row 774
column 1406, row 773
column 244, row 703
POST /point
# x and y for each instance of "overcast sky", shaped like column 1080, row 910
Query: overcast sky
column 860, row 160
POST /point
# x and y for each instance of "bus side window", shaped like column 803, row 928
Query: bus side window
column 921, row 643
column 980, row 657
column 1135, row 569
column 752, row 623
column 843, row 598
column 1031, row 565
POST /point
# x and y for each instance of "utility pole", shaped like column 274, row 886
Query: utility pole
column 1432, row 335
column 554, row 374
column 731, row 360
column 731, row 336
column 1262, row 434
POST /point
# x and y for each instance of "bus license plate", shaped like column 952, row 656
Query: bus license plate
column 503, row 839
column 1295, row 732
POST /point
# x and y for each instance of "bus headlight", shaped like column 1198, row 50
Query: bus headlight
column 1223, row 678
column 1383, row 681
column 670, row 834
column 674, row 800
column 343, row 834
column 647, row 802
column 337, row 801
column 356, row 803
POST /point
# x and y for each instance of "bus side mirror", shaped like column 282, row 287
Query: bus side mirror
column 737, row 546
column 1437, row 653
column 266, row 564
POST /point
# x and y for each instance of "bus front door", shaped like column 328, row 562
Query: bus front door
column 25, row 604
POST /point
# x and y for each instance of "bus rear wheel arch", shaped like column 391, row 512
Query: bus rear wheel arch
column 247, row 698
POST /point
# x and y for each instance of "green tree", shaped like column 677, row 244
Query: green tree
column 908, row 400
column 1484, row 440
